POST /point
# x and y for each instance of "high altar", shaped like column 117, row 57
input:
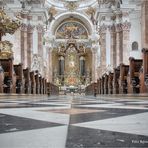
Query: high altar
column 72, row 56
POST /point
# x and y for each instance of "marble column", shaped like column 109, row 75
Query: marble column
column 103, row 30
column 125, row 41
column 50, row 69
column 119, row 47
column 40, row 40
column 144, row 23
column 113, row 45
column 24, row 45
column 94, row 65
column 40, row 45
column 29, row 44
column 35, row 41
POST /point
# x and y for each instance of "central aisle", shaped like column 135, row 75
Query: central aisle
column 73, row 122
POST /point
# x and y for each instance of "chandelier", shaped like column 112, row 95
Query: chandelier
column 7, row 25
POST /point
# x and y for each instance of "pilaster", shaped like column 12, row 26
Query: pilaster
column 24, row 45
column 112, row 30
column 29, row 44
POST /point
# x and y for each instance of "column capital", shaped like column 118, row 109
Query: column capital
column 40, row 28
column 103, row 29
column 94, row 50
column 23, row 27
column 126, row 26
column 118, row 27
column 112, row 28
column 30, row 28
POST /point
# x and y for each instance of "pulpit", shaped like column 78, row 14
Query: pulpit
column 9, row 76
column 7, row 25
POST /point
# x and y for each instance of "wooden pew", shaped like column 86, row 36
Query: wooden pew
column 33, row 83
column 1, row 79
column 52, row 89
column 110, row 83
column 100, row 81
column 45, row 87
column 19, row 78
column 116, row 75
column 9, row 76
column 133, row 78
column 48, row 88
column 95, row 88
column 37, row 82
column 98, row 86
column 102, row 85
column 88, row 90
column 144, row 72
column 27, row 83
column 40, row 85
column 124, row 69
column 105, row 84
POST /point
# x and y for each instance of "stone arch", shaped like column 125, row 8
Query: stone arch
column 60, row 18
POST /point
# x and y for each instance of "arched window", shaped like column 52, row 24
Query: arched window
column 135, row 46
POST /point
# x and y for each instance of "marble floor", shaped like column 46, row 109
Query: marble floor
column 74, row 121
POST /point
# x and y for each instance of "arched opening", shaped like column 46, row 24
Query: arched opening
column 134, row 46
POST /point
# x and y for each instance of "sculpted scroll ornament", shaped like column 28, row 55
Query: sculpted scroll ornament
column 123, row 26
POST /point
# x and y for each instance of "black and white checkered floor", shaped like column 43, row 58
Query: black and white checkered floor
column 73, row 122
